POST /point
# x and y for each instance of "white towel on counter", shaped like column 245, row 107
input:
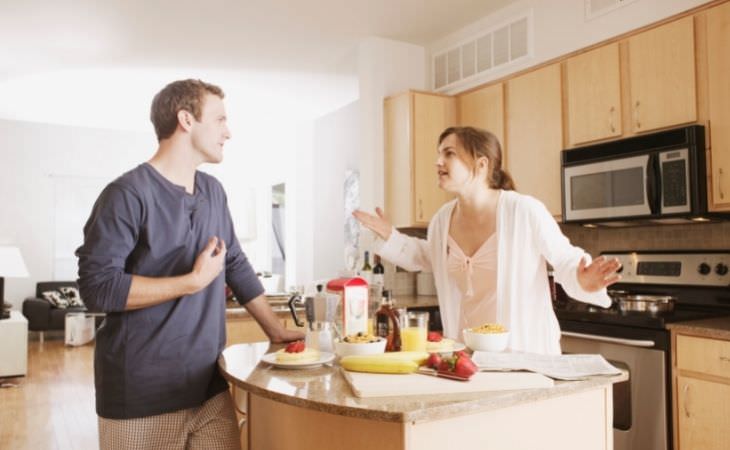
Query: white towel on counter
column 528, row 238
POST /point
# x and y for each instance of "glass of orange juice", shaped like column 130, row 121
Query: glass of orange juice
column 414, row 330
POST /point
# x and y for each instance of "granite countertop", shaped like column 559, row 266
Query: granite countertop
column 717, row 328
column 325, row 389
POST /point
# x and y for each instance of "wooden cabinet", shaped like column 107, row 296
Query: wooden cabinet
column 718, row 99
column 243, row 329
column 661, row 64
column 413, row 123
column 534, row 134
column 593, row 91
column 702, row 393
column 483, row 108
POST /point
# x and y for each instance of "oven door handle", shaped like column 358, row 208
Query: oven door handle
column 609, row 339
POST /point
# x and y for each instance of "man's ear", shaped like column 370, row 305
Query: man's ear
column 185, row 119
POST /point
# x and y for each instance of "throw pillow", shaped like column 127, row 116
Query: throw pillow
column 72, row 295
column 55, row 299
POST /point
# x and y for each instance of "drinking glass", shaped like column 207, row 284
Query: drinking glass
column 414, row 330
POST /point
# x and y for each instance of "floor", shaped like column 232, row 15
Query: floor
column 52, row 408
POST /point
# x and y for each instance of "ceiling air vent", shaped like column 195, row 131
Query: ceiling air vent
column 487, row 51
column 595, row 8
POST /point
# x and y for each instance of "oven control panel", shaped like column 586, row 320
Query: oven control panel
column 685, row 268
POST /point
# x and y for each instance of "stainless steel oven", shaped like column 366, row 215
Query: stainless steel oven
column 639, row 341
column 654, row 177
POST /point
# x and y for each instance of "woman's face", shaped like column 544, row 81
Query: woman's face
column 456, row 168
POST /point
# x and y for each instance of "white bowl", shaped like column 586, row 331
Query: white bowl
column 486, row 342
column 371, row 348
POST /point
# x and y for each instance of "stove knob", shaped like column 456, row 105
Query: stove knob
column 620, row 269
column 721, row 269
column 704, row 269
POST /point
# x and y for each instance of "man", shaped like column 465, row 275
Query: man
column 158, row 249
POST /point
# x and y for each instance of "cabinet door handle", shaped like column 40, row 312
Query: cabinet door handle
column 719, row 183
column 611, row 126
column 685, row 394
column 636, row 114
column 420, row 209
column 724, row 359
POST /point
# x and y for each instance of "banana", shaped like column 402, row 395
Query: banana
column 417, row 357
column 378, row 364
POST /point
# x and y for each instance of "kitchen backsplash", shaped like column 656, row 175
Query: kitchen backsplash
column 709, row 236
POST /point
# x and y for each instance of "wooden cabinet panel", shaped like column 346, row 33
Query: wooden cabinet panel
column 718, row 68
column 483, row 108
column 243, row 330
column 431, row 116
column 534, row 134
column 703, row 414
column 662, row 76
column 594, row 95
column 398, row 160
column 413, row 123
column 708, row 356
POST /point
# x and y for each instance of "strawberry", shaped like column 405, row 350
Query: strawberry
column 295, row 347
column 433, row 361
column 434, row 336
column 464, row 367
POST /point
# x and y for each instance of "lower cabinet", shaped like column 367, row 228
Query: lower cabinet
column 702, row 393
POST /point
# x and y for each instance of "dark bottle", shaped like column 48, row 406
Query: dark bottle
column 378, row 272
column 387, row 324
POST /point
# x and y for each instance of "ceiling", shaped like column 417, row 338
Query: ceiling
column 94, row 48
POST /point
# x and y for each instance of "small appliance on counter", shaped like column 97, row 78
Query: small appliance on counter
column 354, row 296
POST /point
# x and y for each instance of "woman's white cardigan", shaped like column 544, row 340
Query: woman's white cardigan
column 528, row 236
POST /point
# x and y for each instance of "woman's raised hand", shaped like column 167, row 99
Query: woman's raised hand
column 599, row 274
column 377, row 224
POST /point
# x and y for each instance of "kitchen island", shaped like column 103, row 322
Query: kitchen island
column 316, row 409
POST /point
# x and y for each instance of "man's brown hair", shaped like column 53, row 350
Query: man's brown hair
column 179, row 95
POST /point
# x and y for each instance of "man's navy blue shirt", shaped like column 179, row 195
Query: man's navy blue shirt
column 161, row 358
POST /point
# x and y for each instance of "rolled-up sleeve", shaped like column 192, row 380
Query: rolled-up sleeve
column 110, row 236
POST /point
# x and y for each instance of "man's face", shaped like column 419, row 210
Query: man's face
column 211, row 132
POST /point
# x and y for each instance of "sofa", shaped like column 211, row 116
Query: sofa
column 42, row 316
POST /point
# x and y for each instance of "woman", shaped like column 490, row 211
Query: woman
column 488, row 249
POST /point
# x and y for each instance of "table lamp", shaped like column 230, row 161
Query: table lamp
column 11, row 265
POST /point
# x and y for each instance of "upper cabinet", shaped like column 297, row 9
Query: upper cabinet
column 593, row 91
column 483, row 108
column 661, row 65
column 413, row 123
column 718, row 99
column 535, row 134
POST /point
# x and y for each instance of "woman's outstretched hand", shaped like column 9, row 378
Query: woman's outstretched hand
column 377, row 224
column 599, row 274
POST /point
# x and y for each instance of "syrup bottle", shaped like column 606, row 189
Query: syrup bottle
column 387, row 324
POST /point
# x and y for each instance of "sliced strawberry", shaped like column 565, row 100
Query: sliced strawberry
column 295, row 347
column 434, row 336
column 433, row 361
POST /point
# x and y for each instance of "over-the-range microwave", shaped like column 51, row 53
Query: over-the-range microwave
column 653, row 178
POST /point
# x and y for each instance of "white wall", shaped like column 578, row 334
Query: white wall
column 336, row 149
column 33, row 157
column 352, row 138
column 560, row 27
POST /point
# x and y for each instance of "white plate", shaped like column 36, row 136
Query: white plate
column 458, row 346
column 324, row 357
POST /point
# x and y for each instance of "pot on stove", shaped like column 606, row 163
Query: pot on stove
column 652, row 304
